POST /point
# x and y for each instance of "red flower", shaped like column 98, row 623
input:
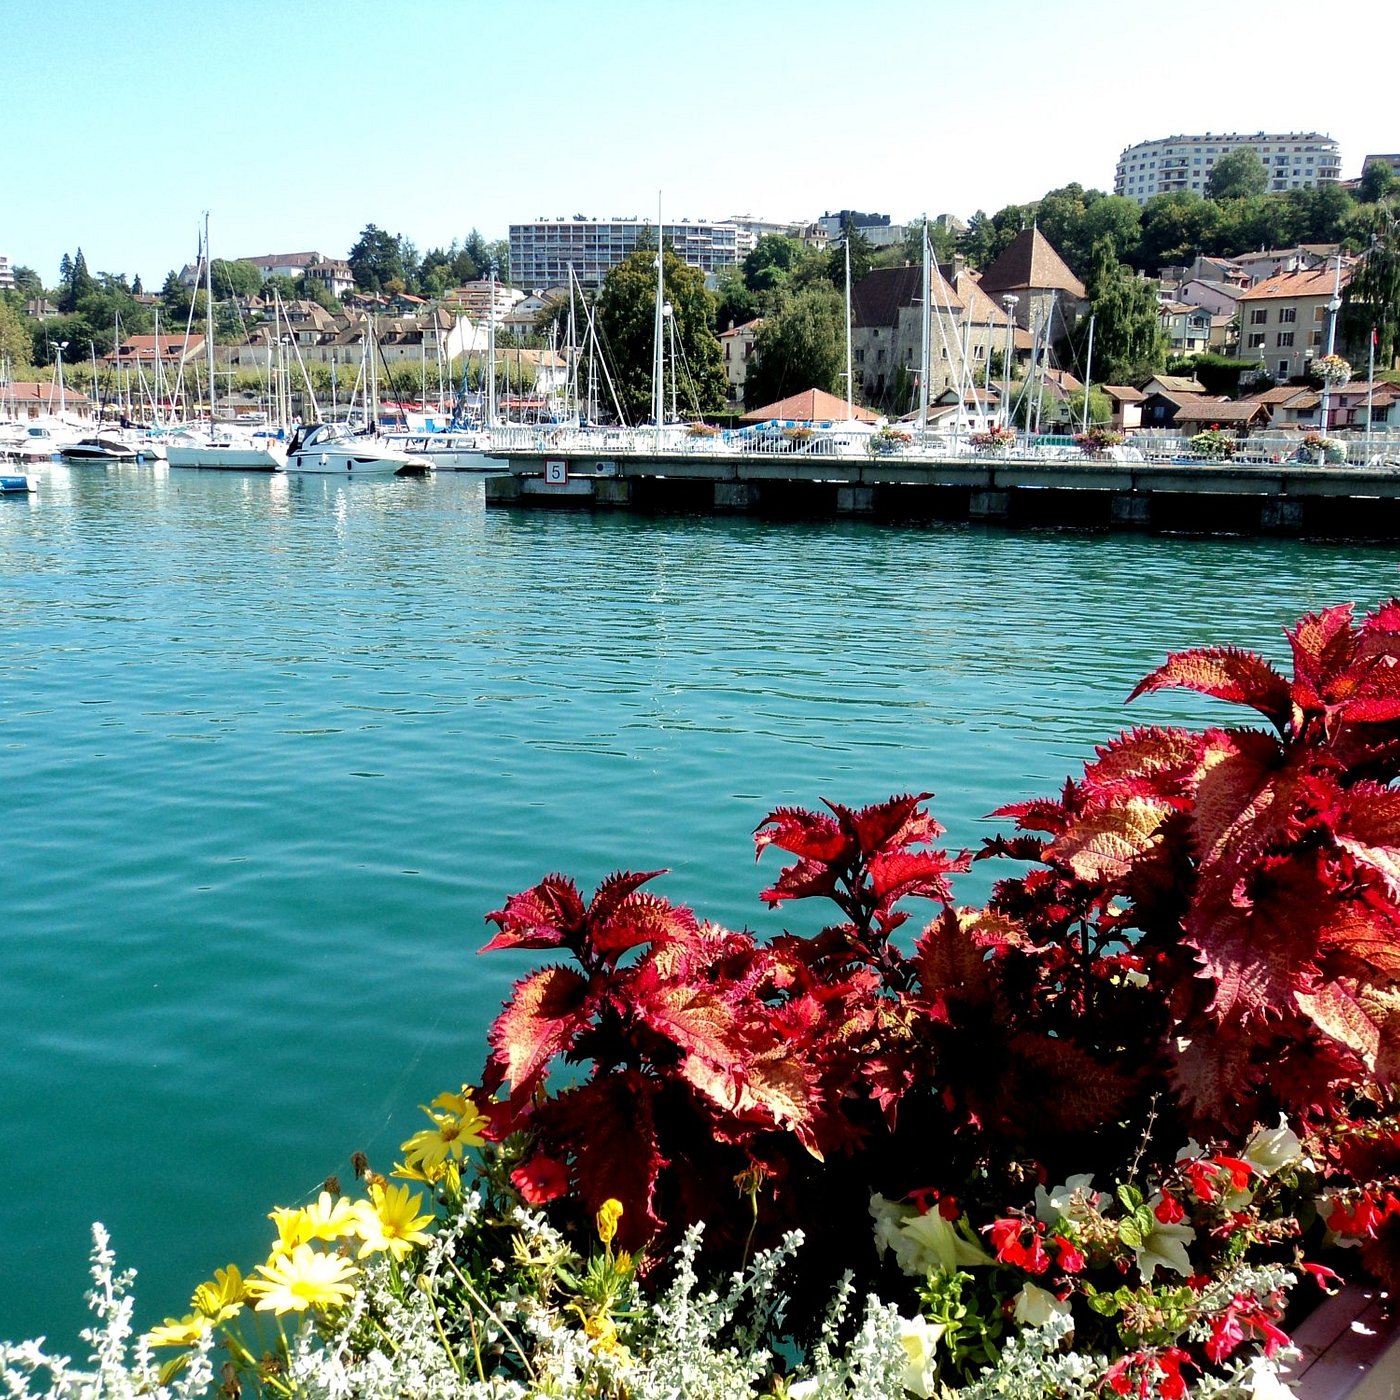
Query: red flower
column 1169, row 1211
column 1019, row 1242
column 541, row 1179
column 1071, row 1259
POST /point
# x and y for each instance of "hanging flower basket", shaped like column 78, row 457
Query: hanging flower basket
column 1332, row 370
column 1319, row 449
column 702, row 430
column 798, row 434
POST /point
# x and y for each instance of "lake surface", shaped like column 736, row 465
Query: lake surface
column 270, row 748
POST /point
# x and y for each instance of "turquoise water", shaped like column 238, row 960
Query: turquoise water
column 271, row 748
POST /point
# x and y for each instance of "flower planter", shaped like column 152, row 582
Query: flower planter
column 1350, row 1349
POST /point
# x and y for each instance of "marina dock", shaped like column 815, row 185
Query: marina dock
column 1201, row 497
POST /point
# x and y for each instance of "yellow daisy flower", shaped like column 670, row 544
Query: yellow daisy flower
column 222, row 1298
column 302, row 1279
column 182, row 1333
column 456, row 1126
column 389, row 1221
column 326, row 1218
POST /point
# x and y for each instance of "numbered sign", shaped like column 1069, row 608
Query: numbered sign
column 556, row 472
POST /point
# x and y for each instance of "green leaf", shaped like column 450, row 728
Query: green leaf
column 1130, row 1196
column 1130, row 1233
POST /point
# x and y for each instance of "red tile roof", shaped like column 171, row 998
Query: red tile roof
column 810, row 406
column 1316, row 282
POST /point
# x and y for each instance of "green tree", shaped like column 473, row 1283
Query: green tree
column 1237, row 175
column 1372, row 297
column 801, row 345
column 28, row 283
column 234, row 279
column 1378, row 182
column 772, row 262
column 736, row 304
column 376, row 259
column 626, row 310
column 862, row 257
column 1100, row 407
column 16, row 345
column 1175, row 228
column 1128, row 339
column 78, row 284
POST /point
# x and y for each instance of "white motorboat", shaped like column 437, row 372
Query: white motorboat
column 101, row 447
column 32, row 442
column 448, row 449
column 331, row 449
column 219, row 449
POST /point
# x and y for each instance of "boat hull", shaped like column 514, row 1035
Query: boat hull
column 216, row 458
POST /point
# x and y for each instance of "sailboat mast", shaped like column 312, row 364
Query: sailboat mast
column 924, row 348
column 658, row 403
column 491, row 353
column 1088, row 373
column 209, row 318
column 850, row 381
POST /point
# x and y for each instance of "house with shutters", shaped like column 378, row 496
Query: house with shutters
column 1284, row 319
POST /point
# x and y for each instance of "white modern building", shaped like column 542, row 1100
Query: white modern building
column 7, row 273
column 541, row 253
column 1295, row 160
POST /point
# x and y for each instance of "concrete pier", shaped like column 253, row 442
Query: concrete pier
column 1192, row 497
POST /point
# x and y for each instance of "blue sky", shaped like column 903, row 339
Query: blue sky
column 297, row 122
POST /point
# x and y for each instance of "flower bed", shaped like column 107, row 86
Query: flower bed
column 994, row 439
column 887, row 441
column 1098, row 1137
column 1214, row 442
column 1096, row 439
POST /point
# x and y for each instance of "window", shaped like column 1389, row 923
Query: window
column 1256, row 340
column 1287, row 315
column 1285, row 338
column 1317, row 337
column 1319, row 313
column 1283, row 369
column 1259, row 316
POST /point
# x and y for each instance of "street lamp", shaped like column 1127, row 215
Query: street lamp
column 1009, row 302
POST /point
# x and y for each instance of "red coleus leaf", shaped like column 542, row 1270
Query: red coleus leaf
column 1324, row 647
column 546, row 916
column 898, row 875
column 897, row 822
column 810, row 835
column 545, row 1013
column 1368, row 829
column 1153, row 762
column 639, row 919
column 1227, row 674
column 1102, row 845
column 606, row 1129
column 802, row 881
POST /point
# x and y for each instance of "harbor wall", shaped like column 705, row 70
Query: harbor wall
column 1198, row 498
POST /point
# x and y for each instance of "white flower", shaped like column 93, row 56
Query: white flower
column 1165, row 1245
column 919, row 1337
column 1270, row 1150
column 801, row 1390
column 1072, row 1201
column 924, row 1243
column 1035, row 1306
column 1263, row 1381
